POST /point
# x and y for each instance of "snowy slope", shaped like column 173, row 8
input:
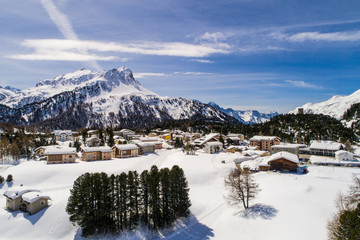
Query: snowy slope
column 247, row 116
column 335, row 106
column 289, row 206
column 85, row 98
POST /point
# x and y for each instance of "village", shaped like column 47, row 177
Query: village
column 259, row 153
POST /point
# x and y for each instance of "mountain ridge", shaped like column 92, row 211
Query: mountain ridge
column 105, row 98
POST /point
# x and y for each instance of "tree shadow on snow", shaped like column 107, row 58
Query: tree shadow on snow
column 259, row 210
column 190, row 229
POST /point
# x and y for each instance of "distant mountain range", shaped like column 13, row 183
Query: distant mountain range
column 335, row 107
column 99, row 99
column 247, row 116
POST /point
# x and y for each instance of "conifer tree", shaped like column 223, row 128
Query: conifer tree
column 144, row 193
column 180, row 192
column 166, row 208
column 154, row 197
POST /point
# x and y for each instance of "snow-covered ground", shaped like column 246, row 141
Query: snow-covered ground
column 290, row 206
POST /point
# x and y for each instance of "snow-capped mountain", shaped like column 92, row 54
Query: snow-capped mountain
column 247, row 116
column 335, row 106
column 85, row 99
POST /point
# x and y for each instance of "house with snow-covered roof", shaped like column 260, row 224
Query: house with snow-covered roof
column 281, row 161
column 13, row 197
column 34, row 202
column 325, row 148
column 125, row 150
column 264, row 142
column 144, row 147
column 63, row 135
column 287, row 147
column 200, row 142
column 213, row 147
column 58, row 154
column 96, row 153
column 93, row 141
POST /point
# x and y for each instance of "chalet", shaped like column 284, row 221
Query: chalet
column 93, row 141
column 264, row 142
column 125, row 150
column 13, row 198
column 200, row 142
column 63, row 135
column 144, row 147
column 281, row 161
column 233, row 141
column 343, row 155
column 238, row 135
column 213, row 147
column 34, row 202
column 60, row 155
column 96, row 153
column 287, row 147
column 325, row 148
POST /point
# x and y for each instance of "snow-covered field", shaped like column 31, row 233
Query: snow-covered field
column 290, row 206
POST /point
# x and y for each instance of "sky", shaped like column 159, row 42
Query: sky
column 266, row 55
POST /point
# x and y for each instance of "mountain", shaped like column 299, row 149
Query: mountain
column 246, row 117
column 335, row 106
column 98, row 99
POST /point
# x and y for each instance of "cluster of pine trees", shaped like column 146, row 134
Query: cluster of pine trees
column 99, row 203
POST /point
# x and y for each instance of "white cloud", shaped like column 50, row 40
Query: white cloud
column 44, row 47
column 316, row 36
column 65, row 27
column 201, row 60
column 212, row 37
column 60, row 19
column 303, row 84
column 192, row 73
column 144, row 75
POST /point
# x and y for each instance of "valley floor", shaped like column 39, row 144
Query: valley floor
column 289, row 206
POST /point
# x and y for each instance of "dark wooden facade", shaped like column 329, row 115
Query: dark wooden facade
column 283, row 165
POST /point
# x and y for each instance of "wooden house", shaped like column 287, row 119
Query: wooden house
column 281, row 161
column 34, row 202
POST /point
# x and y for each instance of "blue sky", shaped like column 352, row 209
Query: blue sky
column 268, row 55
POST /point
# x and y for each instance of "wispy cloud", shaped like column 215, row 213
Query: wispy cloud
column 212, row 37
column 192, row 73
column 316, row 36
column 148, row 74
column 45, row 47
column 303, row 84
column 201, row 60
column 65, row 27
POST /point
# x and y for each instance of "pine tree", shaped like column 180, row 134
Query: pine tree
column 111, row 141
column 132, row 196
column 180, row 192
column 123, row 201
column 166, row 208
column 144, row 195
column 154, row 197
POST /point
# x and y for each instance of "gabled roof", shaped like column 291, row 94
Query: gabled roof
column 326, row 145
column 126, row 146
column 18, row 192
column 32, row 197
column 59, row 132
column 60, row 150
column 286, row 155
column 263, row 138
column 203, row 140
column 97, row 149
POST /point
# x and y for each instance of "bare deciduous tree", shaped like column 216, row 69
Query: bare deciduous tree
column 242, row 188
